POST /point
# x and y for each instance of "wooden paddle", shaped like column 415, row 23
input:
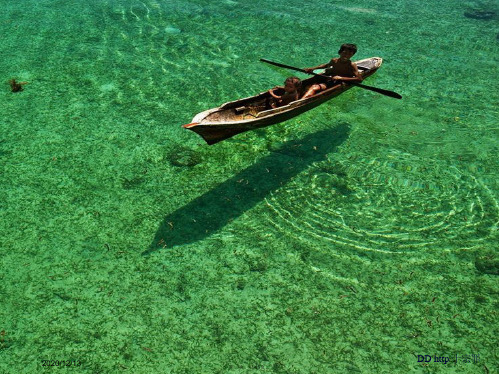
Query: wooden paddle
column 370, row 88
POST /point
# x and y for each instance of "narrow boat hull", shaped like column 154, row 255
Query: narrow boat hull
column 236, row 117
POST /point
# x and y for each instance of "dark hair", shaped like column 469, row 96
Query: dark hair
column 347, row 46
column 294, row 80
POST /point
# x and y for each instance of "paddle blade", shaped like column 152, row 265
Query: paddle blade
column 379, row 90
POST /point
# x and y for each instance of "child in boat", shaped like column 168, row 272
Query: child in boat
column 292, row 88
column 340, row 69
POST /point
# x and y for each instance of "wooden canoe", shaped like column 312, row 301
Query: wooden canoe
column 235, row 117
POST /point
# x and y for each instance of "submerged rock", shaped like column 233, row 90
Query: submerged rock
column 483, row 15
column 487, row 265
column 129, row 184
column 184, row 157
column 140, row 11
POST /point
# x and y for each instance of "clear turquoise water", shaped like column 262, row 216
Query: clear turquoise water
column 348, row 240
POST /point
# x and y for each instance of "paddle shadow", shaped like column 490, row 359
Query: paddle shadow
column 211, row 211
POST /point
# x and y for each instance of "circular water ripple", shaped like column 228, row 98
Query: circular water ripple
column 396, row 204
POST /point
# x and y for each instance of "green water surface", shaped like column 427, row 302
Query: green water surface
column 350, row 239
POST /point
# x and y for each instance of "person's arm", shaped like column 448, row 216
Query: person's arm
column 322, row 66
column 271, row 92
column 356, row 78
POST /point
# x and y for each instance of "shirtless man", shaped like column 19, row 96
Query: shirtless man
column 340, row 69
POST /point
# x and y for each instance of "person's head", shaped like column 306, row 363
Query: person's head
column 292, row 84
column 347, row 50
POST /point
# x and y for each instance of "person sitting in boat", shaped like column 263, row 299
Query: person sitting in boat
column 340, row 69
column 292, row 88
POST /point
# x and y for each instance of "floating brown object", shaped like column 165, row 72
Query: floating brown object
column 16, row 86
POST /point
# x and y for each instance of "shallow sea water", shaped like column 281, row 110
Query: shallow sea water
column 350, row 239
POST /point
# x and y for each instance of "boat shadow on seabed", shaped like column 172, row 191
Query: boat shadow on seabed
column 211, row 211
